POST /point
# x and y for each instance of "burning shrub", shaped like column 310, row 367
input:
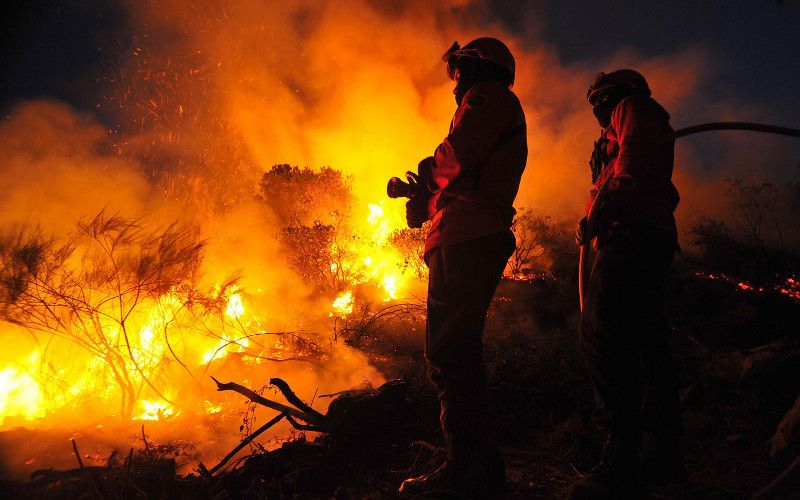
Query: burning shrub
column 312, row 208
column 411, row 244
column 326, row 246
column 299, row 197
column 112, row 288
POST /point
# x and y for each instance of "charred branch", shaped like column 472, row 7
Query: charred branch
column 77, row 453
column 259, row 399
column 245, row 442
column 293, row 399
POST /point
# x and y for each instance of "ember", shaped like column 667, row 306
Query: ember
column 788, row 287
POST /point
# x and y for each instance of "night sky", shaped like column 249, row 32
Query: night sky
column 58, row 49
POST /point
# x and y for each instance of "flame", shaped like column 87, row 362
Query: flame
column 228, row 343
column 343, row 304
column 381, row 228
column 235, row 307
column 154, row 410
column 791, row 288
column 381, row 261
column 20, row 395
column 211, row 408
column 390, row 285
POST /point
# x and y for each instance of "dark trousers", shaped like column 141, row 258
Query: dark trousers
column 624, row 334
column 463, row 278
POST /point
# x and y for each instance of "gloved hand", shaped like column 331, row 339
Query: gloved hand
column 582, row 235
column 416, row 211
column 417, row 205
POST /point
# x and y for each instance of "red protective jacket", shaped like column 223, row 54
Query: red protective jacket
column 476, row 170
column 640, row 148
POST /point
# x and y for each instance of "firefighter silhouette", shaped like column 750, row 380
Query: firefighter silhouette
column 623, row 331
column 467, row 189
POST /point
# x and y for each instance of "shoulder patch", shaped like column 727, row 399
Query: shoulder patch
column 477, row 101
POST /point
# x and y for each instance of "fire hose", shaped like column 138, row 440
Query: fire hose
column 584, row 265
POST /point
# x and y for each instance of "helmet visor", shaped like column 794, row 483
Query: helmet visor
column 450, row 59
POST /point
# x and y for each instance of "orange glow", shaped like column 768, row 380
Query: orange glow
column 20, row 396
column 198, row 118
column 343, row 305
column 154, row 410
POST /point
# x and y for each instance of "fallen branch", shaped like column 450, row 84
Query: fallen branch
column 292, row 398
column 300, row 427
column 257, row 398
column 77, row 454
column 241, row 445
column 146, row 444
column 86, row 472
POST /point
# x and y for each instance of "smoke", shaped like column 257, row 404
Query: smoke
column 358, row 86
column 57, row 167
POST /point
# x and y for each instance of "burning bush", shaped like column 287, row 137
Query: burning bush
column 128, row 297
column 330, row 250
column 312, row 209
column 113, row 288
column 411, row 244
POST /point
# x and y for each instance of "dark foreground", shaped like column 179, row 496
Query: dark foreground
column 738, row 351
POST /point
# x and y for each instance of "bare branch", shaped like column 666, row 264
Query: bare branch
column 257, row 398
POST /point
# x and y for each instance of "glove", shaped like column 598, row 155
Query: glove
column 416, row 211
column 417, row 205
column 414, row 182
column 582, row 235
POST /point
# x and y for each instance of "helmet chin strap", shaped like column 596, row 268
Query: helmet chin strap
column 463, row 84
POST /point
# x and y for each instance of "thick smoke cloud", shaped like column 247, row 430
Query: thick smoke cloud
column 57, row 166
column 358, row 86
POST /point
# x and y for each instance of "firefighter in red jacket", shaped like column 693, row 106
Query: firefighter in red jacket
column 623, row 331
column 467, row 189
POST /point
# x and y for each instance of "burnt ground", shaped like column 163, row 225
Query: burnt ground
column 738, row 354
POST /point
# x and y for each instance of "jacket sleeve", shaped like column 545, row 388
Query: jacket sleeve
column 477, row 127
column 641, row 125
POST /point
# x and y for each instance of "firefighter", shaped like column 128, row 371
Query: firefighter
column 623, row 331
column 467, row 189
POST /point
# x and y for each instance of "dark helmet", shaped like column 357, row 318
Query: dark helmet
column 627, row 80
column 484, row 49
